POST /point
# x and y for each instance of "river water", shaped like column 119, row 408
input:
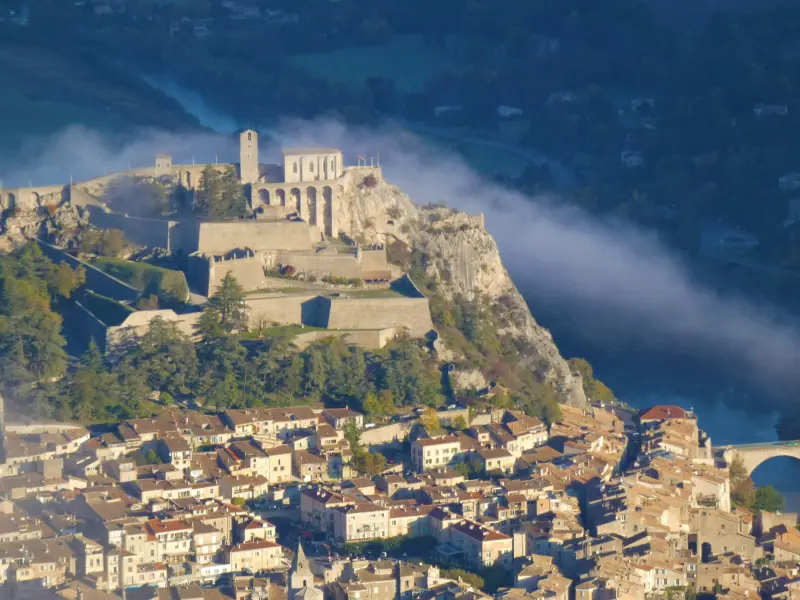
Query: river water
column 639, row 376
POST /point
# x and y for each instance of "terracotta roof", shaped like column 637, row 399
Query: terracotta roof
column 661, row 412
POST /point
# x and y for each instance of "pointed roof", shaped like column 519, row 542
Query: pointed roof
column 300, row 562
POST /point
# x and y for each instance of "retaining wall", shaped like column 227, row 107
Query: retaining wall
column 138, row 323
column 85, row 324
column 282, row 309
column 376, row 313
column 335, row 265
column 249, row 272
column 386, row 434
column 142, row 231
column 218, row 238
column 370, row 340
column 96, row 280
column 374, row 260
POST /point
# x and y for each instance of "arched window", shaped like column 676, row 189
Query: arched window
column 249, row 136
column 294, row 167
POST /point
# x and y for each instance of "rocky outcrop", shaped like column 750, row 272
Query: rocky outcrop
column 463, row 259
column 60, row 226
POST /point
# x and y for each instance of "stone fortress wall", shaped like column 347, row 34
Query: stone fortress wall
column 293, row 224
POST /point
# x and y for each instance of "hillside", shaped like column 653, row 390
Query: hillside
column 452, row 256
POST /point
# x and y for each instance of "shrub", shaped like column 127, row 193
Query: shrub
column 370, row 181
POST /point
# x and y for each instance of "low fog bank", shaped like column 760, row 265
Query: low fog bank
column 83, row 153
column 615, row 283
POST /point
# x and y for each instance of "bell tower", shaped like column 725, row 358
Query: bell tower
column 248, row 157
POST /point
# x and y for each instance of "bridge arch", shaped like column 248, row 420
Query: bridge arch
column 754, row 455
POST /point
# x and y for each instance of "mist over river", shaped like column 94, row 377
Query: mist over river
column 730, row 409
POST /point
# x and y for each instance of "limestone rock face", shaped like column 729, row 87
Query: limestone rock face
column 464, row 260
column 59, row 227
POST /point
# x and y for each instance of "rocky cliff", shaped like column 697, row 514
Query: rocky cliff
column 59, row 226
column 463, row 259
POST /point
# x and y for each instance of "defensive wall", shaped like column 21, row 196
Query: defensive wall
column 30, row 198
column 282, row 309
column 221, row 237
column 373, row 339
column 387, row 434
column 142, row 231
column 206, row 271
column 321, row 264
column 375, row 313
column 96, row 280
column 138, row 323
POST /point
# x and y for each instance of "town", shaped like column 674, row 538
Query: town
column 320, row 503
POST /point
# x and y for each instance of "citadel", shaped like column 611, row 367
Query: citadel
column 293, row 227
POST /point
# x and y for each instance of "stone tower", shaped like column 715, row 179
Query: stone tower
column 300, row 574
column 248, row 157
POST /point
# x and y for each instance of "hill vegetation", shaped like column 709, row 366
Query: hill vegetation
column 168, row 286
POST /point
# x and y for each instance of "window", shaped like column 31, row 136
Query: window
column 311, row 167
column 249, row 136
column 294, row 167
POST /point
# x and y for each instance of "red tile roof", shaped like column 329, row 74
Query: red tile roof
column 662, row 412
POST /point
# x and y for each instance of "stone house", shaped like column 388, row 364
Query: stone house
column 309, row 467
column 257, row 556
column 340, row 417
column 481, row 546
column 496, row 459
column 430, row 453
column 360, row 522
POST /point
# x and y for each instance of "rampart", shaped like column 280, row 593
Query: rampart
column 142, row 231
column 373, row 339
column 138, row 323
column 96, row 280
column 376, row 313
column 219, row 238
column 282, row 309
column 336, row 265
column 248, row 271
column 33, row 197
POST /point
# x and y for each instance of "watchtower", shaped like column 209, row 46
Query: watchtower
column 248, row 157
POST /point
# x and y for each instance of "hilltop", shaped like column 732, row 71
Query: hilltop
column 455, row 260
column 345, row 289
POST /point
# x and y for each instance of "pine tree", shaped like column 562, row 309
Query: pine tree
column 228, row 304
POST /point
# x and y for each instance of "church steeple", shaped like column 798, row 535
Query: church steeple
column 300, row 575
column 300, row 562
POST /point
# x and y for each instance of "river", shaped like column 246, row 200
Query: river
column 639, row 376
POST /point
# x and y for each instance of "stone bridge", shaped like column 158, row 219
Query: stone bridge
column 753, row 455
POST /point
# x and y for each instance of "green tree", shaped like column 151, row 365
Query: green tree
column 430, row 421
column 228, row 305
column 368, row 463
column 386, row 400
column 165, row 357
column 353, row 436
column 209, row 192
column 372, row 407
column 769, row 499
column 460, row 423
